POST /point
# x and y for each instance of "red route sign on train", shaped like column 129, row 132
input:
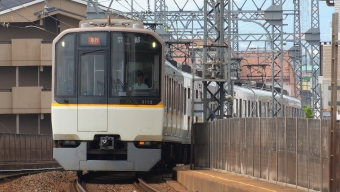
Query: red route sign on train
column 93, row 40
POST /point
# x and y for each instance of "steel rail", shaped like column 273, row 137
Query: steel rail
column 79, row 186
column 145, row 186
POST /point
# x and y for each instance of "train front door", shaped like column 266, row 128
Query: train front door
column 92, row 91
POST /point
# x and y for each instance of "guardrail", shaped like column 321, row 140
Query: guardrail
column 292, row 151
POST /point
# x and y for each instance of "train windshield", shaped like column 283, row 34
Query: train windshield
column 135, row 61
column 108, row 67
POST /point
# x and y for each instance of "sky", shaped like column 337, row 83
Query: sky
column 325, row 20
column 174, row 5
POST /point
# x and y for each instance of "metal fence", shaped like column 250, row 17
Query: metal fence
column 293, row 151
column 25, row 148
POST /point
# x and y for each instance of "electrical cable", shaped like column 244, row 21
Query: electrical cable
column 28, row 19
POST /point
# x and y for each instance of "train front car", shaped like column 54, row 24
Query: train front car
column 107, row 109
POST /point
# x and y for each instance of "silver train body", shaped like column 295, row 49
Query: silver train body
column 102, row 122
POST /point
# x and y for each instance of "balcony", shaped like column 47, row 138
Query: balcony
column 26, row 52
column 25, row 100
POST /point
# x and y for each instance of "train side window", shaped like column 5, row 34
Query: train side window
column 249, row 109
column 196, row 94
column 180, row 98
column 166, row 91
column 175, row 95
column 268, row 109
column 260, row 109
column 236, row 111
column 240, row 114
column 185, row 100
column 171, row 96
column 245, row 108
column 189, row 93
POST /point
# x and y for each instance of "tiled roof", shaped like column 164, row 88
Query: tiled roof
column 7, row 4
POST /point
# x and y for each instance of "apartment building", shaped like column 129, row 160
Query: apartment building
column 325, row 79
column 26, row 33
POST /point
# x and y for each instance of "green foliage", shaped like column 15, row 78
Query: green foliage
column 308, row 111
column 306, row 78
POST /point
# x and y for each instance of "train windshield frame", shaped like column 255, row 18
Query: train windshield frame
column 131, row 73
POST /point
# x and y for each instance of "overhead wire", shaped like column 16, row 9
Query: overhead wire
column 139, row 5
column 130, row 6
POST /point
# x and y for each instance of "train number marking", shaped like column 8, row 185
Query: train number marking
column 146, row 101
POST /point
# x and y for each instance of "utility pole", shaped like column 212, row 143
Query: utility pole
column 333, row 133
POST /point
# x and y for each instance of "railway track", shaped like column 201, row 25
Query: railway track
column 45, row 180
column 95, row 180
column 141, row 186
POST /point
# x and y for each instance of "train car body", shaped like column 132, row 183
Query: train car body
column 105, row 118
column 101, row 119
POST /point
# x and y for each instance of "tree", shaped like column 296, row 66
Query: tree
column 308, row 111
column 307, row 78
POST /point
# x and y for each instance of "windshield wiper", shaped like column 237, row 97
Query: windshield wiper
column 127, row 91
column 92, row 51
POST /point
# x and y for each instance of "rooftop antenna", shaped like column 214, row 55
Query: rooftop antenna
column 44, row 12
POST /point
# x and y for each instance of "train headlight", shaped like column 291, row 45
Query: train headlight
column 154, row 44
column 63, row 44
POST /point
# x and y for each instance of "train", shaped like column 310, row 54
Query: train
column 118, row 105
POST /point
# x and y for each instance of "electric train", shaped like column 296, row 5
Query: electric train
column 102, row 122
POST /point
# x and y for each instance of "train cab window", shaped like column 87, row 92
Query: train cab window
column 135, row 65
column 65, row 66
column 92, row 74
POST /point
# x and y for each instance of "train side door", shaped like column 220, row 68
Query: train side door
column 92, row 91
